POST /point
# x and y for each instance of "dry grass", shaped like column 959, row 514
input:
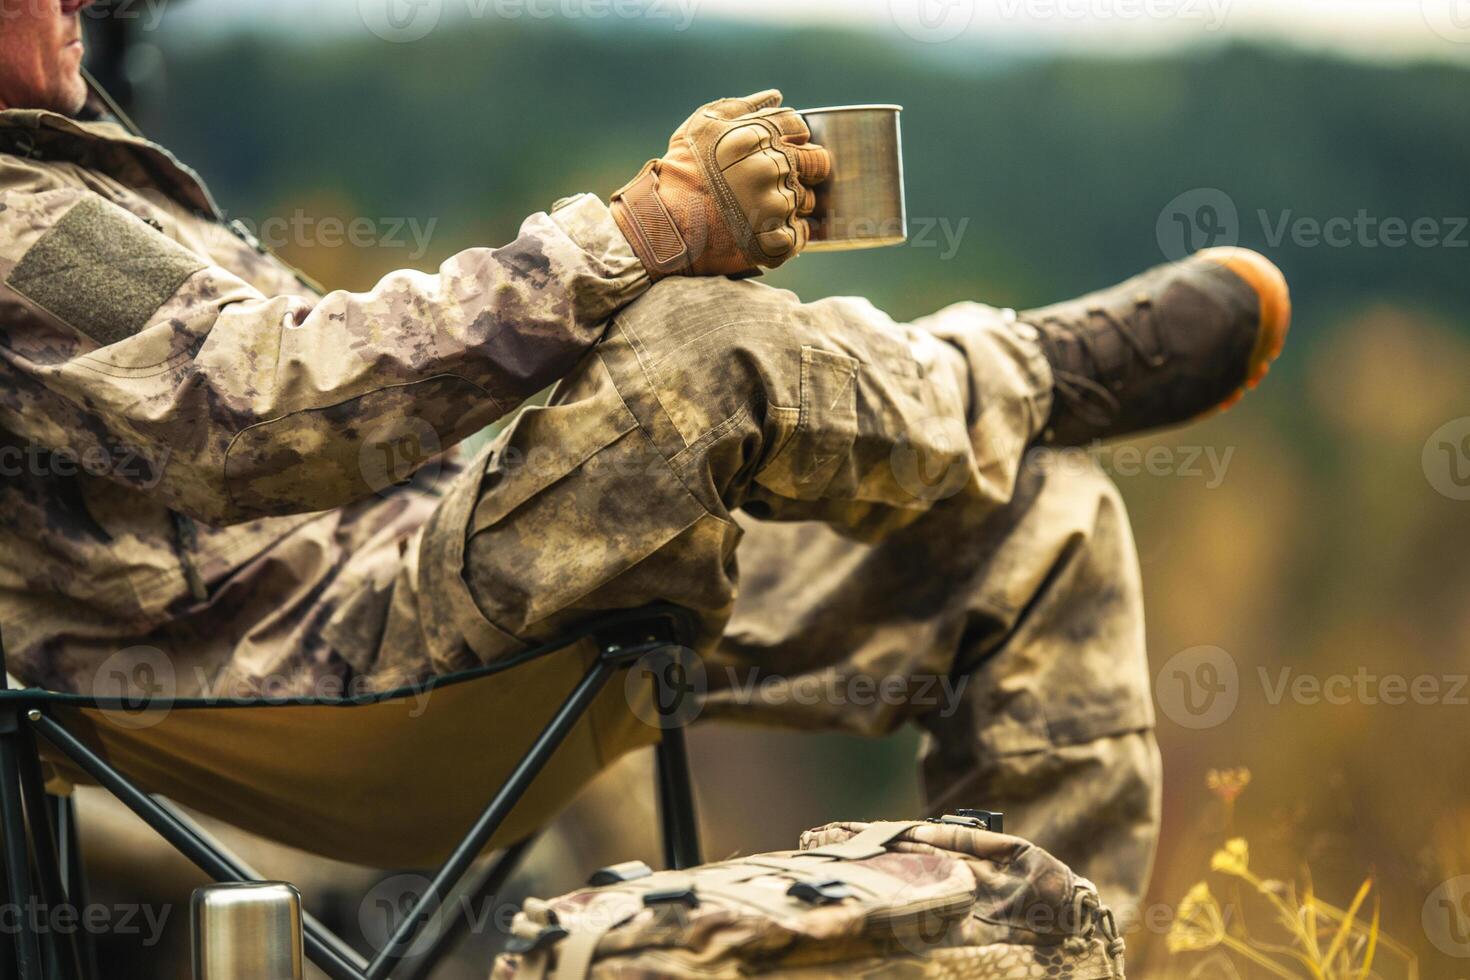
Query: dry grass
column 1269, row 927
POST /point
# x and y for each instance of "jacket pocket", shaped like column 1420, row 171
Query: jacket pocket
column 570, row 497
column 575, row 535
column 807, row 463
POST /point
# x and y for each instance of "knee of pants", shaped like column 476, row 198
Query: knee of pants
column 702, row 351
column 842, row 403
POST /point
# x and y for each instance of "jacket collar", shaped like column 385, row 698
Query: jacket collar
column 94, row 139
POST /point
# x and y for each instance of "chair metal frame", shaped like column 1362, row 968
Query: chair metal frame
column 43, row 870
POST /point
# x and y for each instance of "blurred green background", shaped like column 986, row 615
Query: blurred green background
column 1332, row 546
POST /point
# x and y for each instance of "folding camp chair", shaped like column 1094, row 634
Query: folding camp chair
column 244, row 760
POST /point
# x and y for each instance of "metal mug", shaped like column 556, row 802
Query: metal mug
column 249, row 931
column 862, row 204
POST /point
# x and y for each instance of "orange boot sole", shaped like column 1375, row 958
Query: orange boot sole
column 1262, row 275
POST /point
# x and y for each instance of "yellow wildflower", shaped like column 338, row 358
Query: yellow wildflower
column 1199, row 925
column 1233, row 858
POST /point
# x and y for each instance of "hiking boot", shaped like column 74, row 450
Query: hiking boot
column 1162, row 348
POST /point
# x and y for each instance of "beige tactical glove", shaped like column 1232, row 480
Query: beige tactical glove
column 732, row 193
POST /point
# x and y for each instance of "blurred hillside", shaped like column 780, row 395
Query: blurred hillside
column 1323, row 549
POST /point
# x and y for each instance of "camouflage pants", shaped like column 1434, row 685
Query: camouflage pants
column 911, row 562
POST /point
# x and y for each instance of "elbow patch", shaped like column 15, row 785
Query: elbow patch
column 102, row 271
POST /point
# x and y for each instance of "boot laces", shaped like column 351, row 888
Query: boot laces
column 1093, row 400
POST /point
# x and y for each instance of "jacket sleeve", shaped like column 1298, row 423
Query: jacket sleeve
column 232, row 404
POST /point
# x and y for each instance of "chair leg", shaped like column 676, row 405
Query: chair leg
column 677, row 814
column 545, row 745
column 62, row 945
column 74, row 875
column 7, row 937
column 488, row 889
column 17, row 857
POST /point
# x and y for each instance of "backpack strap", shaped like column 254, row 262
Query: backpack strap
column 575, row 953
column 533, row 965
column 870, row 842
column 869, row 879
column 574, row 957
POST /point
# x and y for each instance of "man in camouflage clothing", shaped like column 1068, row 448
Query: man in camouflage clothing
column 199, row 455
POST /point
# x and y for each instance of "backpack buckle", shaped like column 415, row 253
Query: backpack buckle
column 991, row 820
column 615, row 874
column 681, row 895
column 546, row 937
column 824, row 892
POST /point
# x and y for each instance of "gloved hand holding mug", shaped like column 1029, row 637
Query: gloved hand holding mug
column 732, row 193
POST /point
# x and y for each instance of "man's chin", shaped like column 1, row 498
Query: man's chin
column 74, row 96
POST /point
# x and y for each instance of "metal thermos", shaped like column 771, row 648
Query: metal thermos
column 247, row 932
column 862, row 204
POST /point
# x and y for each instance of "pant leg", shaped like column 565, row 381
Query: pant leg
column 938, row 554
column 708, row 397
column 1058, row 722
column 1013, row 638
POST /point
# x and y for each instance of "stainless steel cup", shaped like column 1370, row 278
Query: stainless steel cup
column 247, row 932
column 862, row 204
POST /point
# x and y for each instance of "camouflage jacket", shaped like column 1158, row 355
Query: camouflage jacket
column 173, row 399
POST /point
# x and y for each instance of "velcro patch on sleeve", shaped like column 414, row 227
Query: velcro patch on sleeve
column 103, row 271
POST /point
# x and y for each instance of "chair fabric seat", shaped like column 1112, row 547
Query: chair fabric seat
column 393, row 782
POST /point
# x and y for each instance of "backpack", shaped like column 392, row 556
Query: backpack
column 940, row 898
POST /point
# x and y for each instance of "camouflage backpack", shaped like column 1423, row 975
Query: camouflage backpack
column 942, row 898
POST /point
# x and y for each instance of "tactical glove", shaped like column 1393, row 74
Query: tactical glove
column 732, row 193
